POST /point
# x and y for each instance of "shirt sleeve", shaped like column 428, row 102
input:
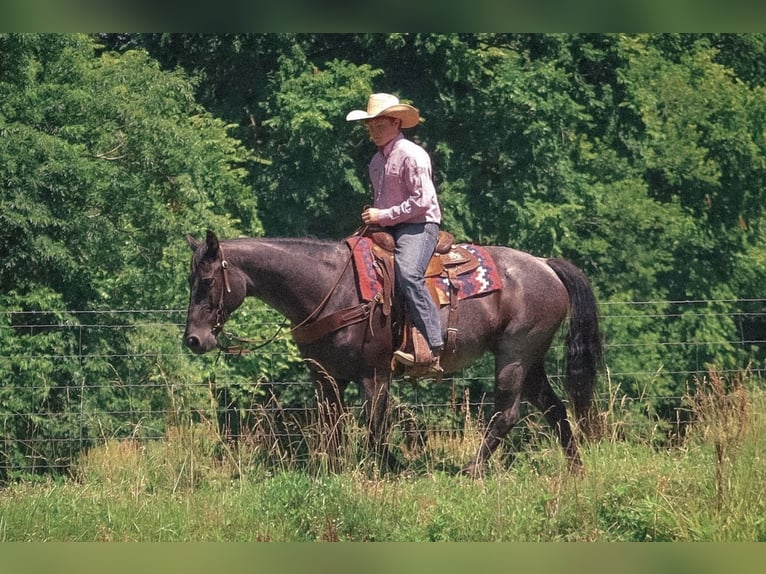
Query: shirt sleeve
column 420, row 192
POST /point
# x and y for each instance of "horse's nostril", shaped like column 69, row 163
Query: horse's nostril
column 192, row 342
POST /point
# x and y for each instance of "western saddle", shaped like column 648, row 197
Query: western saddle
column 448, row 262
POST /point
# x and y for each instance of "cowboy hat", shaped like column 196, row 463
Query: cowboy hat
column 387, row 105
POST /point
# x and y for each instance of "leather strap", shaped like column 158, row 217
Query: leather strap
column 454, row 287
column 385, row 261
column 315, row 330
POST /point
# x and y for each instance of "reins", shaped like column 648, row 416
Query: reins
column 226, row 346
column 298, row 331
column 324, row 301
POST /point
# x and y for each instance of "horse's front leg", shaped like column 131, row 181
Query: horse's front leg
column 331, row 408
column 375, row 390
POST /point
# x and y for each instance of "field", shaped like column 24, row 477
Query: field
column 704, row 486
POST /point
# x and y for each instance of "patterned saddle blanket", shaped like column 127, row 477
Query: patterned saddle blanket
column 465, row 267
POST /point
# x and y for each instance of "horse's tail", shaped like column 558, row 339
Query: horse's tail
column 583, row 342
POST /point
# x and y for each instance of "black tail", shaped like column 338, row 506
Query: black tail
column 583, row 342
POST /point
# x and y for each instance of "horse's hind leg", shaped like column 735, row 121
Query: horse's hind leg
column 506, row 414
column 538, row 391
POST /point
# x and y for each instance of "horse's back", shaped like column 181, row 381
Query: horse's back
column 524, row 269
column 531, row 289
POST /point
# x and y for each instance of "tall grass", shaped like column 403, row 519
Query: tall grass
column 704, row 485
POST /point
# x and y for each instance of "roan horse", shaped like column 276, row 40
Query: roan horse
column 517, row 323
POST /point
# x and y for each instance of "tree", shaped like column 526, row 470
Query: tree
column 639, row 157
column 625, row 153
column 107, row 163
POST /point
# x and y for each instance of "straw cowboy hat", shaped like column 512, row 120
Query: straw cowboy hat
column 387, row 105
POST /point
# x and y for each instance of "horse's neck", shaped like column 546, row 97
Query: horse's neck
column 290, row 275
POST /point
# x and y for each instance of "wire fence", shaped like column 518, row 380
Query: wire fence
column 125, row 390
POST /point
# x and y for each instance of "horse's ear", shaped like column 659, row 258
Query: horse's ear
column 212, row 244
column 193, row 243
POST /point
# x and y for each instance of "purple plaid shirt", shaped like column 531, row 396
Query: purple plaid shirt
column 401, row 179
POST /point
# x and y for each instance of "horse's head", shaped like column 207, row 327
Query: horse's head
column 216, row 289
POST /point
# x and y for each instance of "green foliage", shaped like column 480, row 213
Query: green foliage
column 640, row 157
column 108, row 162
column 311, row 180
column 707, row 488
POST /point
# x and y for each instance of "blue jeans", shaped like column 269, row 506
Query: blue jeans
column 415, row 244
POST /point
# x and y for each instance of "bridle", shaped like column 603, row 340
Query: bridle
column 307, row 330
column 220, row 312
column 225, row 340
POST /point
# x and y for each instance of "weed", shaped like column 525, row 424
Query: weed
column 196, row 484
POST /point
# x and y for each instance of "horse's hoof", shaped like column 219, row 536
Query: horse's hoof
column 576, row 470
column 471, row 471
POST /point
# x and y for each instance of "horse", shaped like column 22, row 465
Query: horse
column 307, row 279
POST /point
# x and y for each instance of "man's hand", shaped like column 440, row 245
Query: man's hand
column 371, row 215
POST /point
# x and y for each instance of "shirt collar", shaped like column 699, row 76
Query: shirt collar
column 386, row 149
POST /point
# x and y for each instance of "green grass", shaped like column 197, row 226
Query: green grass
column 708, row 486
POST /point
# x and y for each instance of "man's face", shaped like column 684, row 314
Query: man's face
column 382, row 130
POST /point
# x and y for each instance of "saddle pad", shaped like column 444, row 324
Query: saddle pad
column 484, row 279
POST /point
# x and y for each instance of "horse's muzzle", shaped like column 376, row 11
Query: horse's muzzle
column 199, row 346
column 193, row 343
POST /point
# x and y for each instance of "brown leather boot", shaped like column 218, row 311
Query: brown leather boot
column 432, row 367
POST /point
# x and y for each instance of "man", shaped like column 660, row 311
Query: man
column 405, row 203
